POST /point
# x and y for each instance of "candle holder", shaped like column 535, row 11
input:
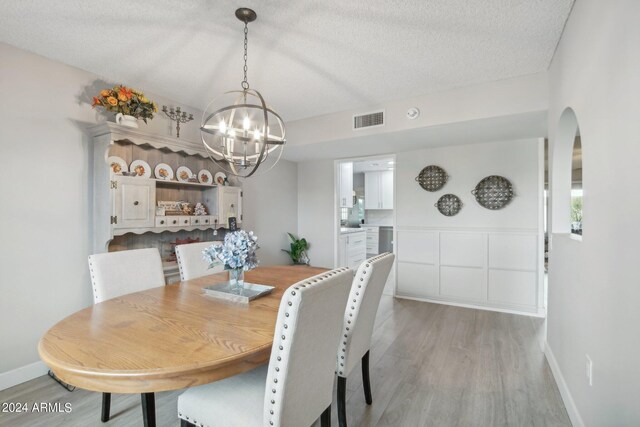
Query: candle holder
column 178, row 116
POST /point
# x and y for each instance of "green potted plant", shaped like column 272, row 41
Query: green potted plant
column 298, row 252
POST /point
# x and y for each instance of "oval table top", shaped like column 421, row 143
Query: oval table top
column 169, row 337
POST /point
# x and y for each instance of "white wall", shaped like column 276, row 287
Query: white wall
column 593, row 283
column 440, row 108
column 45, row 217
column 270, row 206
column 466, row 166
column 316, row 212
column 478, row 257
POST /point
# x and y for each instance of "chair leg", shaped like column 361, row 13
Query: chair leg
column 148, row 409
column 342, row 404
column 106, row 407
column 366, row 382
column 325, row 418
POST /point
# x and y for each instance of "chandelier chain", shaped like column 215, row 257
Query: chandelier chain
column 245, row 83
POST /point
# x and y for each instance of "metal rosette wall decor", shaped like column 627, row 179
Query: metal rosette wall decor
column 432, row 178
column 493, row 192
column 449, row 204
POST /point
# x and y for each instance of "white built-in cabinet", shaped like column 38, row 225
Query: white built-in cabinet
column 373, row 239
column 123, row 205
column 378, row 190
column 345, row 177
column 352, row 249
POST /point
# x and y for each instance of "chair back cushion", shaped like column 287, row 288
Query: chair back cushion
column 302, row 365
column 191, row 263
column 360, row 314
column 123, row 272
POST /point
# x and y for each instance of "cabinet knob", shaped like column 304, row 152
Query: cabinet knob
column 162, row 222
column 175, row 222
column 136, row 203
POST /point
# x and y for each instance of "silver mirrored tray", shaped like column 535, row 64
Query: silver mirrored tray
column 249, row 292
column 432, row 178
column 493, row 192
column 449, row 204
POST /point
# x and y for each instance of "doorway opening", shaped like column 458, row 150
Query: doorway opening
column 365, row 211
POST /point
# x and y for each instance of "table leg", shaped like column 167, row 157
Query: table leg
column 148, row 409
column 106, row 407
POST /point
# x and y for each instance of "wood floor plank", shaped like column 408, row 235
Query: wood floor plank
column 431, row 365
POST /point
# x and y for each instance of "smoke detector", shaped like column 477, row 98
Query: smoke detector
column 413, row 113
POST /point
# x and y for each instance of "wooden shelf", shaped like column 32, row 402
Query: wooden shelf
column 182, row 184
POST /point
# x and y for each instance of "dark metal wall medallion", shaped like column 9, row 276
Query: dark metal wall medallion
column 449, row 204
column 493, row 192
column 432, row 178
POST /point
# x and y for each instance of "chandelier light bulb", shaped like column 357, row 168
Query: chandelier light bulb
column 246, row 123
column 223, row 127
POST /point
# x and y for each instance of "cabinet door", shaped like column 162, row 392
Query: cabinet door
column 346, row 184
column 134, row 203
column 229, row 196
column 386, row 190
column 372, row 190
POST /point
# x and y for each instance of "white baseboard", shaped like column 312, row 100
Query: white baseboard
column 479, row 307
column 22, row 374
column 572, row 409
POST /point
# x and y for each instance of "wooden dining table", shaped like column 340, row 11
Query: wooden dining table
column 168, row 338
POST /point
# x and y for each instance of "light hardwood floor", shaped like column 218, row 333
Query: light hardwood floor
column 431, row 365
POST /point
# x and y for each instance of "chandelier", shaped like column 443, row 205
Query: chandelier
column 240, row 132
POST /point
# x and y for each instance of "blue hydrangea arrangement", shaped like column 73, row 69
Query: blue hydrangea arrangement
column 237, row 252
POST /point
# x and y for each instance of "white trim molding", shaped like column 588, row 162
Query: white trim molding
column 572, row 409
column 541, row 314
column 22, row 374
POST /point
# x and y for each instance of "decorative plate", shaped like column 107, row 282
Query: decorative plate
column 140, row 168
column 163, row 171
column 432, row 178
column 117, row 165
column 493, row 192
column 220, row 178
column 205, row 177
column 449, row 204
column 183, row 174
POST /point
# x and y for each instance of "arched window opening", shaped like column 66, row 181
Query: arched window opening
column 576, row 186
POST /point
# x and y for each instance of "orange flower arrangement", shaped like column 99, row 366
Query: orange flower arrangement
column 125, row 100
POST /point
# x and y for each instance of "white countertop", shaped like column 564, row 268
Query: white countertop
column 376, row 225
column 347, row 230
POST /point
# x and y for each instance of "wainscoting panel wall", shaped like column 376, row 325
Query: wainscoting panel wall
column 485, row 268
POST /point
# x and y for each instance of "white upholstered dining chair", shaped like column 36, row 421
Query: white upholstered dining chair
column 357, row 328
column 123, row 272
column 118, row 273
column 190, row 261
column 296, row 387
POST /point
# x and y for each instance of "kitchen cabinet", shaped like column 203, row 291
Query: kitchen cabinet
column 345, row 176
column 378, row 190
column 352, row 249
column 372, row 234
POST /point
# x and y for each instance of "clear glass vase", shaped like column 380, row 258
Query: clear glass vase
column 236, row 278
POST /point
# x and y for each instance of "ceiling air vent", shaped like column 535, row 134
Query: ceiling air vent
column 363, row 121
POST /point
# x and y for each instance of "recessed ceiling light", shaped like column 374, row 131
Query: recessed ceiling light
column 391, row 162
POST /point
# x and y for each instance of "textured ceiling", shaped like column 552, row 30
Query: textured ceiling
column 307, row 57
